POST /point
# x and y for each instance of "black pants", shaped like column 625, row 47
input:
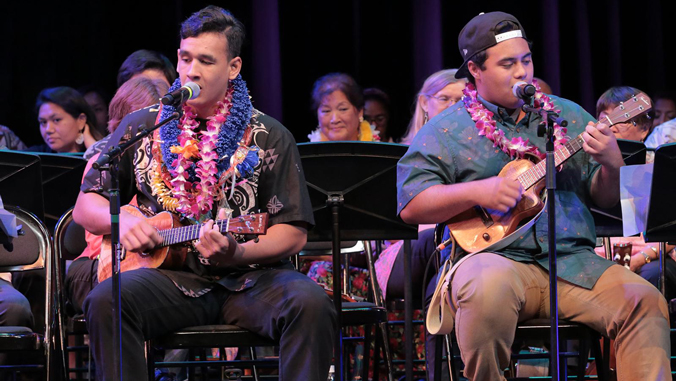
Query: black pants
column 421, row 252
column 283, row 305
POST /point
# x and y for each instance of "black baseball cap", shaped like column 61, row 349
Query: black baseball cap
column 483, row 32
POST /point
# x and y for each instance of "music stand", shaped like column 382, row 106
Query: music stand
column 609, row 221
column 61, row 179
column 661, row 224
column 353, row 192
column 20, row 181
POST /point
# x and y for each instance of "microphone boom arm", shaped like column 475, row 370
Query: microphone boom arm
column 114, row 152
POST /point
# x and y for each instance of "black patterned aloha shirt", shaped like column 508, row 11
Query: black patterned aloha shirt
column 276, row 187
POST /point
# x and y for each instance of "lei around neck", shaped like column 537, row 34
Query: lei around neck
column 515, row 147
column 196, row 159
column 367, row 133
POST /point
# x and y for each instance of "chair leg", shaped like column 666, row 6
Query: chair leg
column 563, row 360
column 254, row 369
column 386, row 351
column 150, row 361
column 582, row 358
column 379, row 343
column 438, row 357
column 601, row 358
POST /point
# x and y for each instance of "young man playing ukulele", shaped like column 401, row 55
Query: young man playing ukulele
column 452, row 166
column 222, row 157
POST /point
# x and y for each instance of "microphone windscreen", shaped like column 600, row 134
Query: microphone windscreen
column 195, row 88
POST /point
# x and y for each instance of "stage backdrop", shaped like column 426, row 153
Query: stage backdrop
column 579, row 47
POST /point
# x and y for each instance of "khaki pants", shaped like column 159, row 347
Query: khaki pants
column 491, row 294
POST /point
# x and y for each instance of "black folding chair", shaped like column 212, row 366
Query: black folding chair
column 31, row 250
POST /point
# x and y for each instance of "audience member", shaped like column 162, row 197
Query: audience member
column 146, row 63
column 664, row 107
column 66, row 121
column 638, row 128
column 98, row 102
column 439, row 91
column 377, row 111
column 664, row 124
column 544, row 86
column 644, row 255
column 339, row 103
column 133, row 95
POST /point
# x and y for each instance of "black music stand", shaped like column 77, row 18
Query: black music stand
column 609, row 221
column 353, row 192
column 61, row 179
column 661, row 224
column 21, row 181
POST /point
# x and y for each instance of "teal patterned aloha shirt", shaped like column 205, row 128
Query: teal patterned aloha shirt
column 448, row 150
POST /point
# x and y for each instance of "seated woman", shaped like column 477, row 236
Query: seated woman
column 439, row 91
column 339, row 103
column 134, row 94
column 66, row 121
column 377, row 112
column 644, row 256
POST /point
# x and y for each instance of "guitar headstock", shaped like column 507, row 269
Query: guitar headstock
column 629, row 109
column 248, row 224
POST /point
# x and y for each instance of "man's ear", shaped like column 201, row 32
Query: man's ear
column 235, row 67
column 474, row 70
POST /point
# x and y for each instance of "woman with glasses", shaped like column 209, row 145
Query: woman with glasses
column 439, row 91
column 377, row 112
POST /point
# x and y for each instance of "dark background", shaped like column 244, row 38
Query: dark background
column 580, row 47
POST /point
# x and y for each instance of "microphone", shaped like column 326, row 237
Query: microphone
column 523, row 90
column 190, row 90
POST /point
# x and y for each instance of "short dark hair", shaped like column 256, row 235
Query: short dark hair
column 142, row 60
column 72, row 102
column 213, row 19
column 375, row 94
column 337, row 81
column 479, row 59
column 612, row 97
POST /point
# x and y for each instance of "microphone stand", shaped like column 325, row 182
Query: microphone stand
column 110, row 162
column 546, row 129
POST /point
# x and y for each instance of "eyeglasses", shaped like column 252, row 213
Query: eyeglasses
column 445, row 99
column 376, row 119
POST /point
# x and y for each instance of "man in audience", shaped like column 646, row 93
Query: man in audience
column 146, row 63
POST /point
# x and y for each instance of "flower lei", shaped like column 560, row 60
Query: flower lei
column 194, row 160
column 367, row 133
column 487, row 127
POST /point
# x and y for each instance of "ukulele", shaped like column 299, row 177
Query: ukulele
column 168, row 254
column 478, row 228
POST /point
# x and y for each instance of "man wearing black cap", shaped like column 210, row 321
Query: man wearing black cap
column 452, row 166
